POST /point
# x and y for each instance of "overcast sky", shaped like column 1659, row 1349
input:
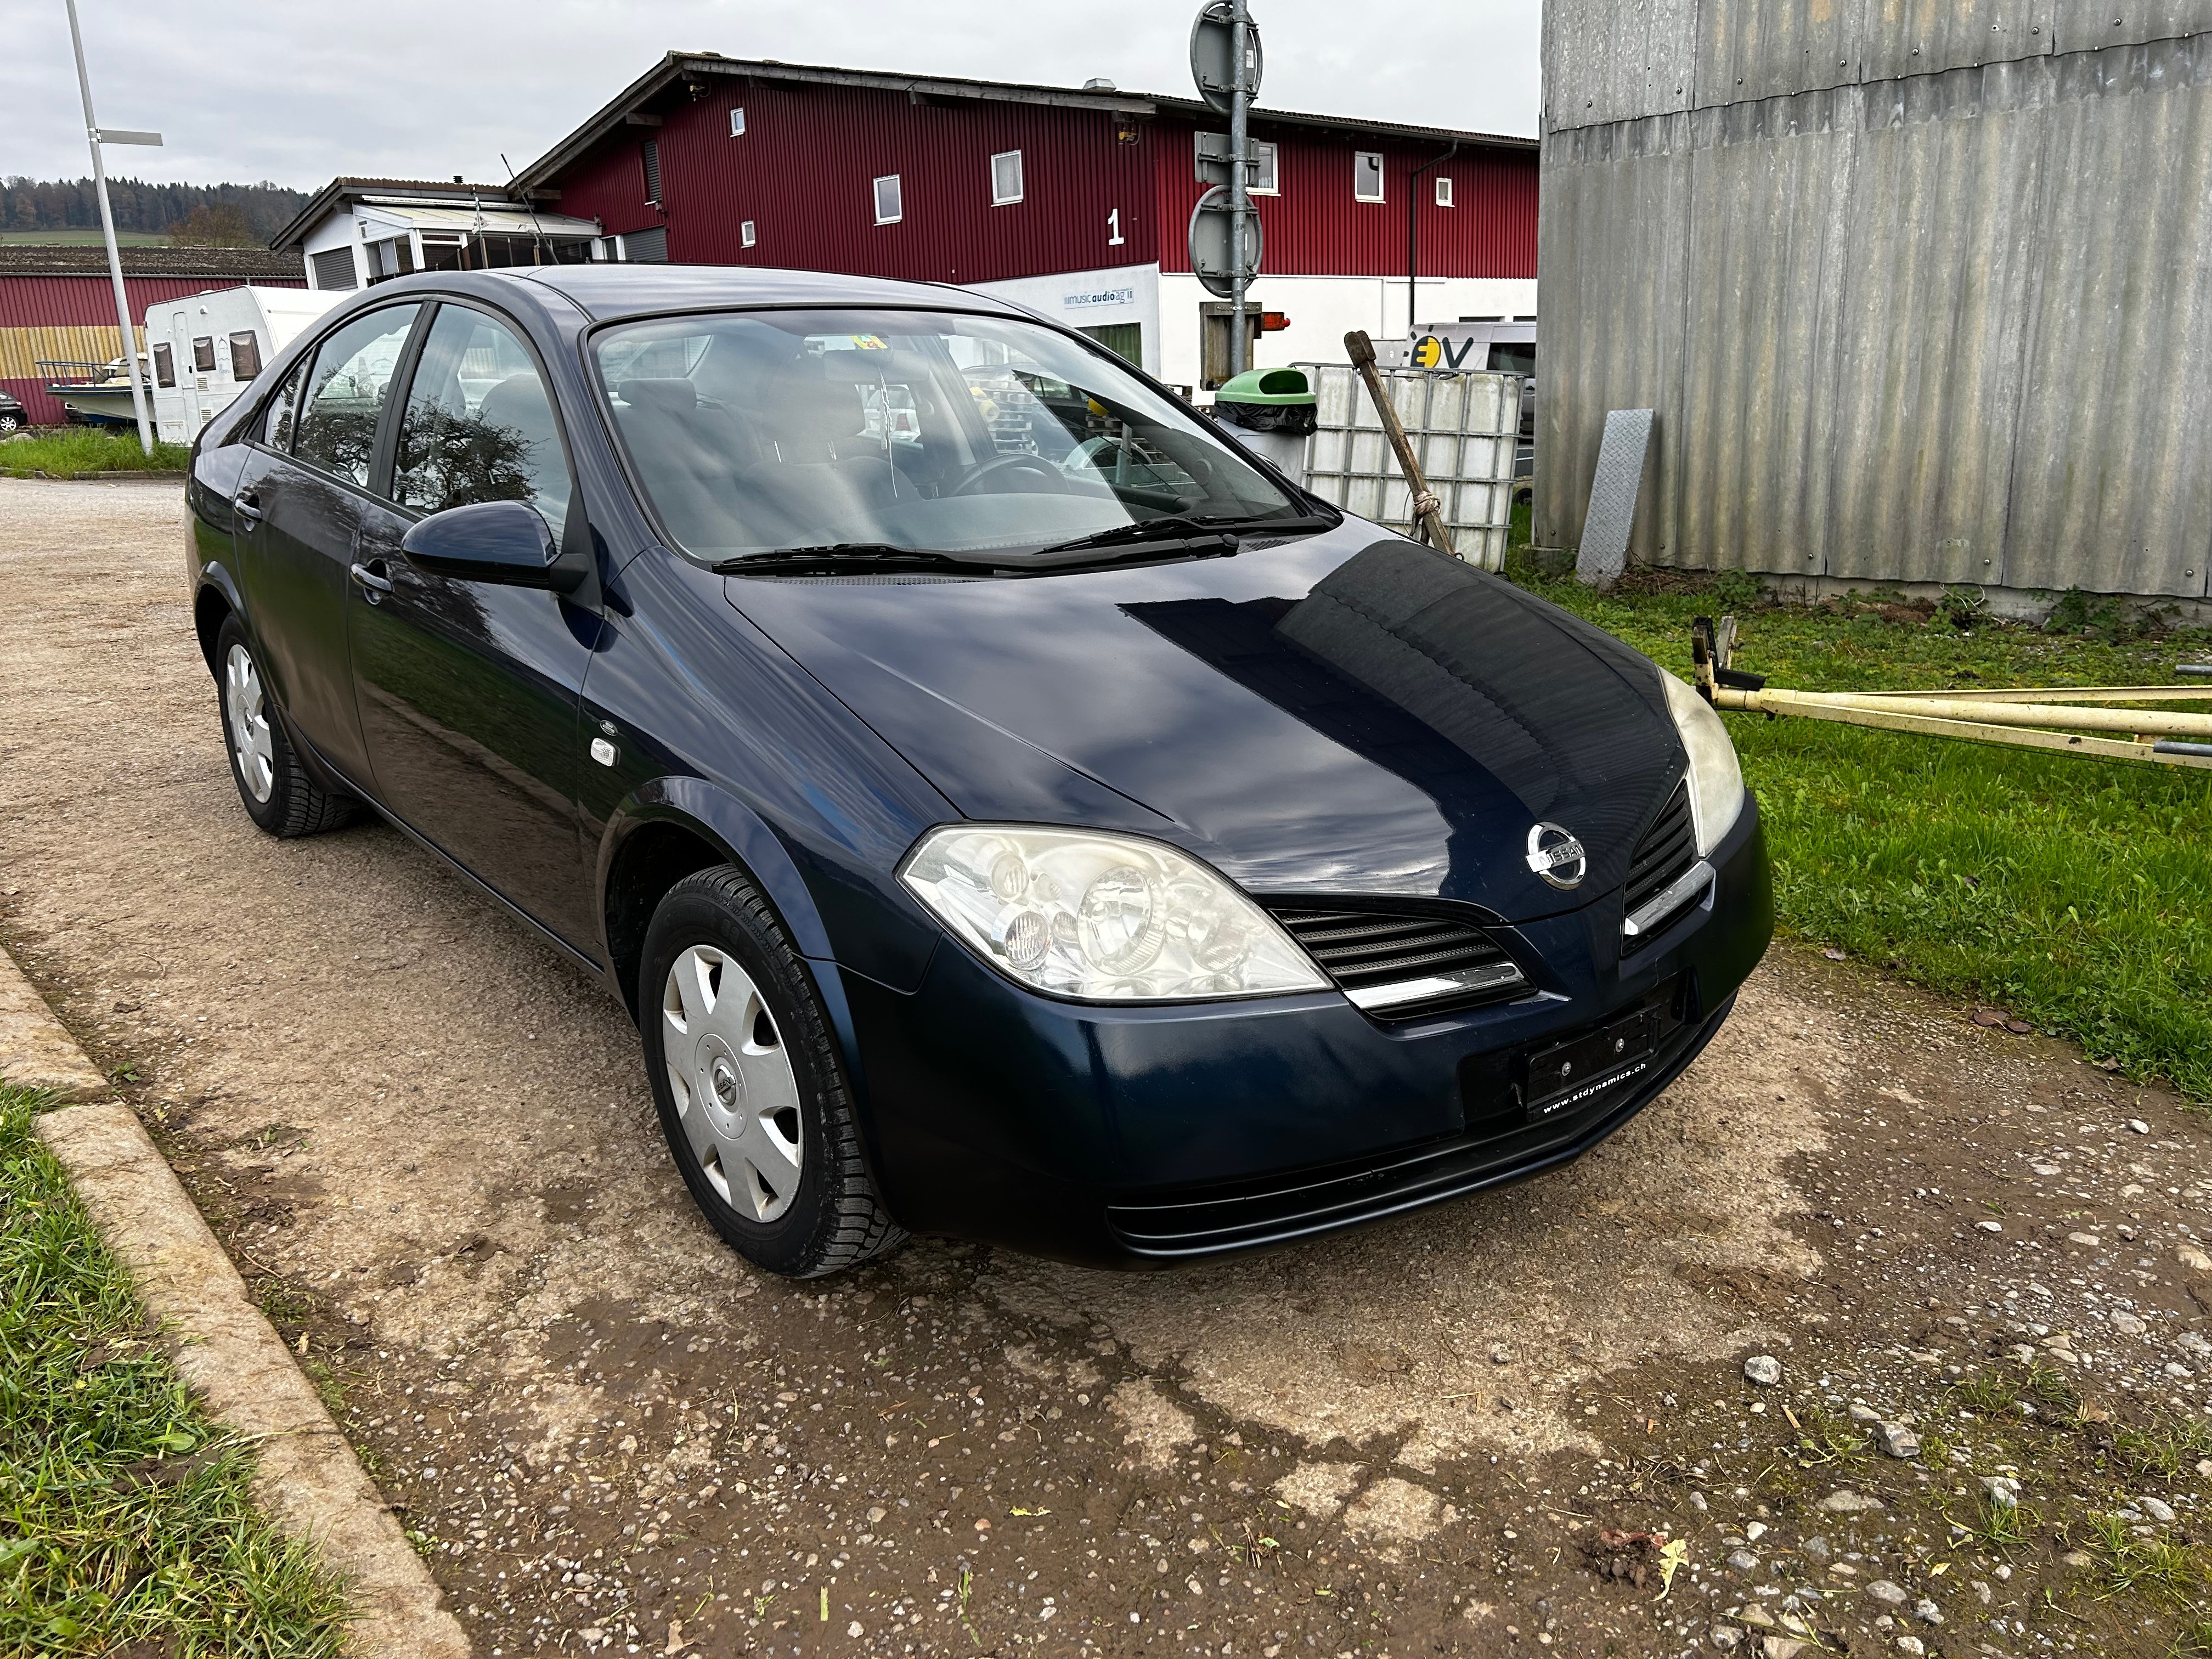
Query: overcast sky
column 300, row 93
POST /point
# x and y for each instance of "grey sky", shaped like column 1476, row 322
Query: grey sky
column 299, row 93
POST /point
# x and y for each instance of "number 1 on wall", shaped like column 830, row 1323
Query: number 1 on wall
column 1114, row 224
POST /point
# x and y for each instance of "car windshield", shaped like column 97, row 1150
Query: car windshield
column 754, row 432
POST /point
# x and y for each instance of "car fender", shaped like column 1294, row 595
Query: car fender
column 718, row 817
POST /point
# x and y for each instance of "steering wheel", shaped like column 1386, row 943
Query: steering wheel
column 1051, row 479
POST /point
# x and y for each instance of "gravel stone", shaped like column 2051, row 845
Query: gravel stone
column 1896, row 1440
column 1889, row 1594
column 1762, row 1369
column 2158, row 1509
column 1927, row 1611
column 1743, row 1560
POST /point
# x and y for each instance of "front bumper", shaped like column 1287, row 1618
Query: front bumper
column 1142, row 1136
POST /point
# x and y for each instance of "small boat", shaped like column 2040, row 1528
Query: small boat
column 97, row 394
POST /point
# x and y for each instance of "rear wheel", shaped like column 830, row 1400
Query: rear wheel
column 751, row 1093
column 274, row 788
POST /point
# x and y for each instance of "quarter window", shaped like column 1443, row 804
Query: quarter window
column 889, row 208
column 1005, row 177
column 478, row 426
column 165, row 365
column 346, row 391
column 203, row 355
column 278, row 418
column 1367, row 175
column 244, row 355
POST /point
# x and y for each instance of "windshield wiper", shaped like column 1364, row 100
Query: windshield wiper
column 878, row 554
column 1196, row 529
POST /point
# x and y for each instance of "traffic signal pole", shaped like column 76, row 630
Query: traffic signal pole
column 1240, row 183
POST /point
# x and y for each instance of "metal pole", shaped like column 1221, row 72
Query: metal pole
column 107, row 228
column 1240, row 197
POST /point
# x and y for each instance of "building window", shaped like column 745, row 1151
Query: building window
column 889, row 210
column 333, row 267
column 203, row 355
column 746, row 235
column 1005, row 177
column 165, row 366
column 651, row 152
column 244, row 355
column 1263, row 171
column 1443, row 192
column 1367, row 175
column 737, row 123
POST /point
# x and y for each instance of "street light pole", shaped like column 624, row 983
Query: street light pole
column 107, row 229
column 1240, row 194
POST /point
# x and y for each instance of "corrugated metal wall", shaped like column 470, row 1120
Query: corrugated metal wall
column 1947, row 323
column 802, row 174
column 73, row 317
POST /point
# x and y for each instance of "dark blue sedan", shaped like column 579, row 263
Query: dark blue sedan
column 1007, row 808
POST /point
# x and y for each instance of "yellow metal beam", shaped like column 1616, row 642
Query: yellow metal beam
column 1839, row 707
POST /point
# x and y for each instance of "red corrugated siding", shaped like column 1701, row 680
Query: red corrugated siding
column 89, row 301
column 45, row 301
column 804, row 171
column 1315, row 227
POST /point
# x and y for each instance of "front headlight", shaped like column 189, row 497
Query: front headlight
column 1715, row 779
column 1102, row 918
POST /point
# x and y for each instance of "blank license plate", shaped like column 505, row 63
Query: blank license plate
column 1573, row 1073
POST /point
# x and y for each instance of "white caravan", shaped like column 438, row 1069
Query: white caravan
column 206, row 348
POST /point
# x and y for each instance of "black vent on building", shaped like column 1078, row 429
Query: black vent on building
column 651, row 150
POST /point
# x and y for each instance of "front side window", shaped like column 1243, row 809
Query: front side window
column 165, row 364
column 764, row 432
column 244, row 355
column 346, row 391
column 478, row 426
column 1367, row 175
column 203, row 355
column 889, row 208
column 1005, row 177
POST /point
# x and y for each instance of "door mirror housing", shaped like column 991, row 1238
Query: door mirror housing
column 505, row 542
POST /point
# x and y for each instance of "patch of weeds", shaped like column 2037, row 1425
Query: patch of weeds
column 2154, row 1567
column 1935, row 1448
column 2000, row 1526
column 328, row 1388
column 282, row 1304
column 1990, row 1392
column 2051, row 1386
column 1736, row 591
column 1962, row 606
column 67, row 449
column 269, row 1136
column 2193, row 1642
column 2163, row 1446
column 127, row 1511
column 1824, row 1439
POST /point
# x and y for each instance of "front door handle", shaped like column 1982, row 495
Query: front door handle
column 373, row 580
column 248, row 507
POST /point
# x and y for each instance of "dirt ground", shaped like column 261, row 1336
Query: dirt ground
column 431, row 1144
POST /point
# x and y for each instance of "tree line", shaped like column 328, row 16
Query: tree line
column 216, row 213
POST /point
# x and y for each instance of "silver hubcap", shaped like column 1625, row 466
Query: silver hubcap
column 250, row 745
column 736, row 1094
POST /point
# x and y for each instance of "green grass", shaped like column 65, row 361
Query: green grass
column 67, row 449
column 2074, row 893
column 82, row 238
column 125, row 1512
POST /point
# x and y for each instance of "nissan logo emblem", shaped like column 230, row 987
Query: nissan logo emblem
column 1556, row 856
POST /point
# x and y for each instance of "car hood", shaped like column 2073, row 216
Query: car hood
column 1334, row 715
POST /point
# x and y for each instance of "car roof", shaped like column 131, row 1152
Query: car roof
column 613, row 290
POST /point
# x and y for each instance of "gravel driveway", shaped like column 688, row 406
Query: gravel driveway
column 431, row 1141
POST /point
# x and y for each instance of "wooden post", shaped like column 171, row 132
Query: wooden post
column 1428, row 511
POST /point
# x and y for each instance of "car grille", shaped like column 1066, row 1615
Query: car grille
column 1667, row 853
column 1397, row 962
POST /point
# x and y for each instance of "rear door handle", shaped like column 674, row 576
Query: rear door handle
column 373, row 580
column 247, row 506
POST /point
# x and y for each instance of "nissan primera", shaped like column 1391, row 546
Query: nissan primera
column 1007, row 808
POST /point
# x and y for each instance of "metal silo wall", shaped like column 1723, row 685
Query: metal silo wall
column 1949, row 323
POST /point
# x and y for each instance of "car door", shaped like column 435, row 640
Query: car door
column 468, row 691
column 303, row 501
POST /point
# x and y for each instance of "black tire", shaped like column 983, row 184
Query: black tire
column 281, row 798
column 834, row 1219
column 10, row 424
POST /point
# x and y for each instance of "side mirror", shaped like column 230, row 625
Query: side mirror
column 490, row 542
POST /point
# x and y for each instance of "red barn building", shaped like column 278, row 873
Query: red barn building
column 57, row 304
column 1074, row 202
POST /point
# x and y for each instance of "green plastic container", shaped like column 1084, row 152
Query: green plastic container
column 1275, row 388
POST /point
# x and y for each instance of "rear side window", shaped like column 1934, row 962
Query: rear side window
column 203, row 355
column 165, row 364
column 244, row 355
column 346, row 391
column 478, row 426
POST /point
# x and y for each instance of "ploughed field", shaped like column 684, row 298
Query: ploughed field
column 428, row 1144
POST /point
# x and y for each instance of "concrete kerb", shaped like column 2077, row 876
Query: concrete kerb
column 308, row 1481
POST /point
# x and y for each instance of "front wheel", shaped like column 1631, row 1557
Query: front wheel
column 276, row 789
column 751, row 1095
